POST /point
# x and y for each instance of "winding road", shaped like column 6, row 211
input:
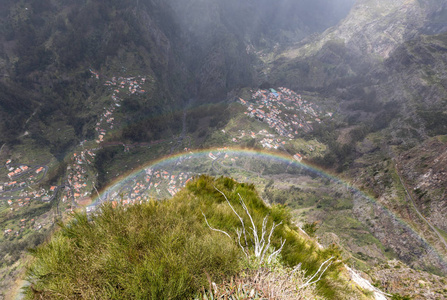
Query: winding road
column 31, row 169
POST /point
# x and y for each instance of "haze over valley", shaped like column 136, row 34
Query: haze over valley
column 328, row 116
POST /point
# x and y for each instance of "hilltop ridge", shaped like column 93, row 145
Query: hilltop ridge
column 150, row 254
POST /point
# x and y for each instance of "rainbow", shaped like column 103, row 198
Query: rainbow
column 259, row 154
column 279, row 157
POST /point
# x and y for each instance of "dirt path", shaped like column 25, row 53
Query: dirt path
column 366, row 285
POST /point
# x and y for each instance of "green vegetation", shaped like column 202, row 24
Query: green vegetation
column 325, row 210
column 145, row 252
column 20, row 239
column 308, row 148
column 50, row 102
column 442, row 232
column 435, row 120
column 311, row 228
column 442, row 138
column 399, row 297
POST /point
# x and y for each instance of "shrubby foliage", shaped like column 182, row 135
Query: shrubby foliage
column 165, row 250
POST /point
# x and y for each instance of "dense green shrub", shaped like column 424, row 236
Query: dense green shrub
column 154, row 250
column 164, row 250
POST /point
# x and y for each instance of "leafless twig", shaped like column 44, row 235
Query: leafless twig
column 309, row 281
column 260, row 244
column 218, row 230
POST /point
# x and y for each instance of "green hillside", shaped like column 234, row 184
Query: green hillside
column 165, row 250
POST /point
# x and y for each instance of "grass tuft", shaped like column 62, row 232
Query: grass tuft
column 165, row 250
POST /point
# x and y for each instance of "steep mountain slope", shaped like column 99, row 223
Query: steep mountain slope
column 143, row 251
column 378, row 27
column 418, row 66
column 345, row 54
column 389, row 81
column 425, row 170
column 190, row 49
column 374, row 77
column 48, row 50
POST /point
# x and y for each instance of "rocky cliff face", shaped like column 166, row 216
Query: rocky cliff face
column 378, row 27
column 425, row 169
column 48, row 49
column 353, row 51
column 394, row 277
column 388, row 78
column 192, row 49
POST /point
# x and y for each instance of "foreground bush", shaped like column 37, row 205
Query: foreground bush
column 273, row 281
column 165, row 250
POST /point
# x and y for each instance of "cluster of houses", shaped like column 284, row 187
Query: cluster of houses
column 24, row 198
column 156, row 179
column 283, row 110
column 104, row 123
column 17, row 171
column 84, row 157
column 15, row 203
column 77, row 173
column 271, row 143
column 151, row 183
column 21, row 178
column 267, row 140
column 130, row 86
column 20, row 191
column 220, row 151
column 178, row 182
column 21, row 198
column 21, row 226
column 17, row 184
column 94, row 73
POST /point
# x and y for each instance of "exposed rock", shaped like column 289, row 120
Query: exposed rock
column 425, row 169
column 395, row 278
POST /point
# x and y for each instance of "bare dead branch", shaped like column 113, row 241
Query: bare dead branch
column 240, row 218
column 296, row 268
column 263, row 232
column 269, row 239
column 249, row 215
column 276, row 253
column 239, row 233
column 259, row 241
column 218, row 230
column 309, row 281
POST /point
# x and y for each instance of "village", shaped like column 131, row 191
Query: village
column 120, row 85
column 21, row 177
column 22, row 189
column 151, row 183
column 79, row 185
column 284, row 111
column 266, row 139
column 163, row 181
